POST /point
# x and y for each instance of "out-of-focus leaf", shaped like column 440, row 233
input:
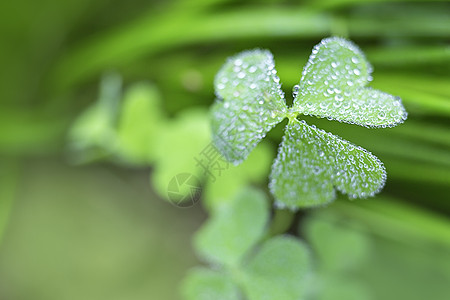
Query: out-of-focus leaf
column 338, row 249
column 140, row 120
column 253, row 170
column 205, row 284
column 279, row 270
column 179, row 142
column 93, row 134
column 233, row 229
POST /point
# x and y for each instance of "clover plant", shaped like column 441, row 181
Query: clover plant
column 243, row 261
column 311, row 164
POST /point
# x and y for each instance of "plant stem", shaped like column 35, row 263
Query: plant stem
column 281, row 221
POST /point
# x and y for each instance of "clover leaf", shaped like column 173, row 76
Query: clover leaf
column 206, row 284
column 311, row 164
column 234, row 228
column 243, row 263
column 281, row 269
column 252, row 104
column 333, row 86
column 341, row 249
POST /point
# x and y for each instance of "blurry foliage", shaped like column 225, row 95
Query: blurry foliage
column 279, row 268
column 358, row 257
column 133, row 130
column 64, row 239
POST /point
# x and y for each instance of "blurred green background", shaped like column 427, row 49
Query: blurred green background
column 79, row 217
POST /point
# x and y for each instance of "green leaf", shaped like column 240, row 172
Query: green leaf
column 333, row 86
column 311, row 161
column 93, row 133
column 233, row 229
column 204, row 284
column 254, row 170
column 250, row 103
column 279, row 270
column 140, row 119
column 177, row 147
column 338, row 248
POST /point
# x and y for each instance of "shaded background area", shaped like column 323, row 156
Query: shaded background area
column 93, row 233
column 102, row 231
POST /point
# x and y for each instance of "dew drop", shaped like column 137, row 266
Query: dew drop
column 316, row 170
column 323, row 105
column 381, row 115
column 295, row 90
column 241, row 75
column 238, row 62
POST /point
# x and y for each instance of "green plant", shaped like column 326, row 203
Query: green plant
column 245, row 263
column 310, row 163
column 70, row 228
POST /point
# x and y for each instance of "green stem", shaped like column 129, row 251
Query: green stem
column 281, row 221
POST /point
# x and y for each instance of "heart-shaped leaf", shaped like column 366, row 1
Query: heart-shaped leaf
column 333, row 86
column 253, row 170
column 140, row 120
column 250, row 103
column 205, row 284
column 311, row 162
column 279, row 270
column 339, row 247
column 235, row 227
